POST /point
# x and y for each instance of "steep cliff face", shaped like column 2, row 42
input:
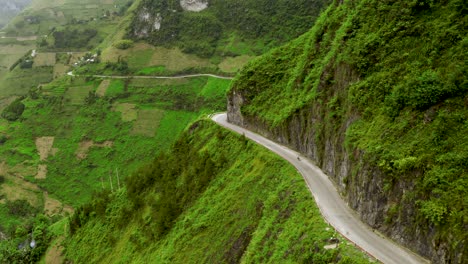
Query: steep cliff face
column 380, row 110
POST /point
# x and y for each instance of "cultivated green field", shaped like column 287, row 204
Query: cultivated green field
column 139, row 117
column 42, row 15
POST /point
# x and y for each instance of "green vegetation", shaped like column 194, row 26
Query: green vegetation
column 115, row 88
column 73, row 39
column 214, row 197
column 13, row 111
column 124, row 44
column 396, row 71
column 204, row 33
column 152, row 70
column 18, row 249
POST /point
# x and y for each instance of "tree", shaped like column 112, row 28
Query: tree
column 13, row 111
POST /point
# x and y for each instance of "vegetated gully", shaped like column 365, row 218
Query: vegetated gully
column 333, row 208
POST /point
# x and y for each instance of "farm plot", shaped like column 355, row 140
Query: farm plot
column 147, row 122
column 15, row 188
column 19, row 81
column 44, row 59
column 10, row 53
column 144, row 55
column 101, row 90
column 76, row 95
column 233, row 64
column 60, row 70
column 128, row 111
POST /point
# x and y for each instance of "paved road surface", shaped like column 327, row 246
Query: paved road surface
column 155, row 77
column 333, row 208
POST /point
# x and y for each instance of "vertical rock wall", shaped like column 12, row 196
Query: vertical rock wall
column 313, row 133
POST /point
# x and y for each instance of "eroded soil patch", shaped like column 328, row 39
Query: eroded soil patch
column 86, row 145
column 44, row 147
column 53, row 206
column 16, row 188
column 41, row 172
column 54, row 254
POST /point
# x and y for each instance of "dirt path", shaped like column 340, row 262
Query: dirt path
column 154, row 77
column 21, row 38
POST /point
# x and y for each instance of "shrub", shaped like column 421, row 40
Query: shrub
column 26, row 64
column 3, row 139
column 123, row 44
column 73, row 38
column 13, row 111
column 21, row 208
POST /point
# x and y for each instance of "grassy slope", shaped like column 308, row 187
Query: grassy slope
column 255, row 209
column 407, row 67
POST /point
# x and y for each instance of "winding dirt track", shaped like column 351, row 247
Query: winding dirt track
column 154, row 77
column 335, row 211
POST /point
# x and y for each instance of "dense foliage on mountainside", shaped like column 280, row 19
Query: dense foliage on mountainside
column 36, row 233
column 389, row 79
column 13, row 111
column 263, row 24
column 213, row 198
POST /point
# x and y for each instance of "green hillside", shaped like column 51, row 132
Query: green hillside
column 128, row 170
column 376, row 92
column 213, row 198
column 66, row 138
column 224, row 27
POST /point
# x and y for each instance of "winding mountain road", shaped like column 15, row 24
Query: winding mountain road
column 333, row 208
column 154, row 77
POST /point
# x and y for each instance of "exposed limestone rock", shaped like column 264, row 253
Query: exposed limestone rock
column 157, row 21
column 194, row 5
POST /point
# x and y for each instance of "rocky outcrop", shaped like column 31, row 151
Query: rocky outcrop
column 194, row 5
column 313, row 133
